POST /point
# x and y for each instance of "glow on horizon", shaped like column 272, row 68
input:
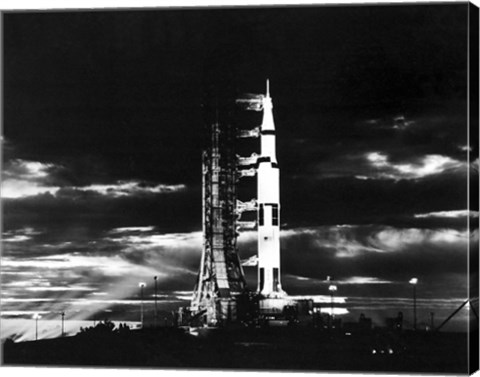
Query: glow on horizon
column 22, row 330
column 109, row 265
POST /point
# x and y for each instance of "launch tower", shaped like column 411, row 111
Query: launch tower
column 221, row 278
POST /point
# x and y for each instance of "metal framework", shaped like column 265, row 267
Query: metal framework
column 221, row 276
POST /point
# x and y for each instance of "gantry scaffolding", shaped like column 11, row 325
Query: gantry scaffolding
column 221, row 280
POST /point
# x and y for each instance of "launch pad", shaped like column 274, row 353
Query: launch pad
column 221, row 295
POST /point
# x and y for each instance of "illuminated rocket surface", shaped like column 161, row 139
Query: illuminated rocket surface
column 268, row 196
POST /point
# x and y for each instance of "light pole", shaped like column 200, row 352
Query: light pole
column 414, row 282
column 155, row 278
column 36, row 317
column 63, row 321
column 141, row 285
column 332, row 288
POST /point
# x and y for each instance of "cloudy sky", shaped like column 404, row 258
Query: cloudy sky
column 104, row 123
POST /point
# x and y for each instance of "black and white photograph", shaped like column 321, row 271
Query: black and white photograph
column 241, row 188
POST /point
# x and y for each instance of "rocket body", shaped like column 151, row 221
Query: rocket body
column 268, row 199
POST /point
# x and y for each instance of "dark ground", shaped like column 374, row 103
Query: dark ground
column 255, row 349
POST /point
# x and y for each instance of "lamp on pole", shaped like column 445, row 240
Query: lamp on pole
column 141, row 285
column 155, row 278
column 414, row 282
column 332, row 288
column 36, row 317
column 63, row 323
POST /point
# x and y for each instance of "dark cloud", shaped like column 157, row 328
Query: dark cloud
column 345, row 200
column 87, row 211
column 134, row 95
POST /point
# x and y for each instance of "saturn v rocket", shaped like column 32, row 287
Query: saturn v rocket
column 221, row 280
column 268, row 206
